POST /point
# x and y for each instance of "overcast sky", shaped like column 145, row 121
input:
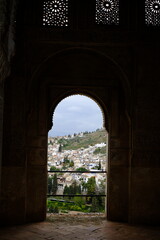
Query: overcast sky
column 76, row 114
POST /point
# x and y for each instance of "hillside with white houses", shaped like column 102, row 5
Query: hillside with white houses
column 91, row 156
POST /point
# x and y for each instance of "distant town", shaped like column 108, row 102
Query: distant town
column 82, row 152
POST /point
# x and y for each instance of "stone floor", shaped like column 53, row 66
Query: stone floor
column 75, row 227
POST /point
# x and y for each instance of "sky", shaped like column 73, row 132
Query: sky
column 76, row 114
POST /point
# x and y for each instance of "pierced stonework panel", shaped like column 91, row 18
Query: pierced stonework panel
column 55, row 13
column 107, row 12
column 152, row 12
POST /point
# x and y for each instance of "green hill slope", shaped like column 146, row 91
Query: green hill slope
column 88, row 139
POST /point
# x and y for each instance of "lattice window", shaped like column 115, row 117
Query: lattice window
column 107, row 12
column 55, row 13
column 152, row 12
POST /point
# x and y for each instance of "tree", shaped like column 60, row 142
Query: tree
column 76, row 188
column 71, row 164
column 66, row 190
column 50, row 142
column 53, row 168
column 66, row 160
column 54, row 184
column 101, row 188
column 84, row 186
column 81, row 169
column 49, row 185
column 99, row 165
column 79, row 191
column 72, row 189
column 95, row 205
column 60, row 148
column 97, row 150
column 91, row 186
column 79, row 201
column 86, row 132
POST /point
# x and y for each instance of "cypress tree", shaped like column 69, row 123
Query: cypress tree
column 60, row 148
column 54, row 184
column 49, row 185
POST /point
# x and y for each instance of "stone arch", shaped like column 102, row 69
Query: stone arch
column 90, row 73
column 103, row 114
column 107, row 60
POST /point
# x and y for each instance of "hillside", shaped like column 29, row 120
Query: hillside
column 79, row 141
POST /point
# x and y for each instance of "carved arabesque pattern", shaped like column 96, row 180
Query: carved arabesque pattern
column 55, row 13
column 107, row 12
column 152, row 12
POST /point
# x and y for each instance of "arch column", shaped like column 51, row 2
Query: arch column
column 1, row 127
column 118, row 163
column 37, row 139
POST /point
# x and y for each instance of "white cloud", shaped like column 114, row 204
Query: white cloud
column 76, row 114
column 74, row 109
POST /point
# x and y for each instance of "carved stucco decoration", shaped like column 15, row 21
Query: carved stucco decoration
column 4, row 66
column 7, row 35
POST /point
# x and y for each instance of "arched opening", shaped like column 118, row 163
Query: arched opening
column 88, row 73
column 77, row 158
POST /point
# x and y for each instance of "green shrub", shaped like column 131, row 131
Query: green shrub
column 75, row 208
column 52, row 208
column 64, row 211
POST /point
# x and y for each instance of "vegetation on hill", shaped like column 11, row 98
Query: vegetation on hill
column 99, row 150
column 88, row 139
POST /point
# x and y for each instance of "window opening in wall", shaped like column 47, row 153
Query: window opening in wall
column 107, row 12
column 152, row 12
column 55, row 13
column 77, row 158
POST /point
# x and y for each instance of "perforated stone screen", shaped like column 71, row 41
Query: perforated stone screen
column 107, row 12
column 55, row 13
column 152, row 12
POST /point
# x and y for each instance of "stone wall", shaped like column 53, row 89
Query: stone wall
column 3, row 74
column 7, row 11
column 120, row 69
column 1, row 129
column 145, row 165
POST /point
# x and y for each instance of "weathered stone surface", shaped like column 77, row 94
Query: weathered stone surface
column 36, row 192
column 37, row 156
column 15, row 158
column 145, row 195
column 77, row 227
column 119, row 157
column 146, row 159
column 13, row 195
column 117, row 194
